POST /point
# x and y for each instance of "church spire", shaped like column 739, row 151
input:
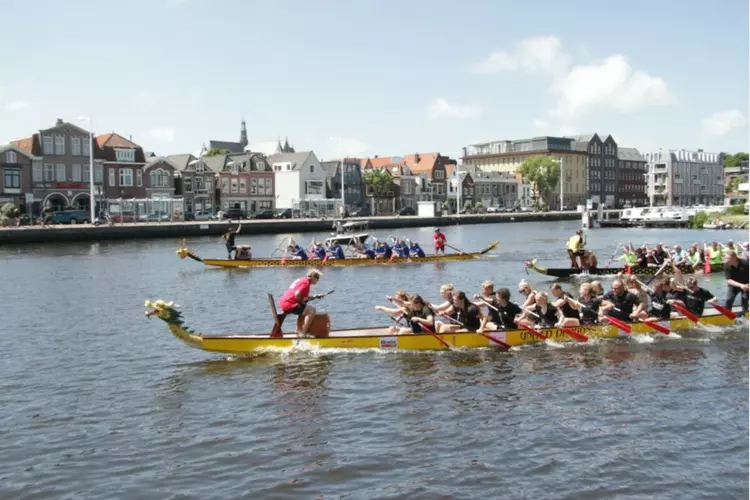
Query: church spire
column 243, row 134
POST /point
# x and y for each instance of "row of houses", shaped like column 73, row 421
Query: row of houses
column 52, row 167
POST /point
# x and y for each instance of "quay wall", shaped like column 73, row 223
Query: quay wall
column 144, row 230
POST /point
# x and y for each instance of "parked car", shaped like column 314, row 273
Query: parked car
column 407, row 211
column 283, row 214
column 264, row 214
column 235, row 213
column 155, row 217
column 495, row 210
column 199, row 216
column 123, row 217
column 71, row 217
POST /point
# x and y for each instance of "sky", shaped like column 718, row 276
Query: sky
column 387, row 78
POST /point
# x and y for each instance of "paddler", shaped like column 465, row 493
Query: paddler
column 363, row 252
column 660, row 309
column 298, row 253
column 542, row 314
column 564, row 304
column 467, row 316
column 503, row 313
column 229, row 240
column 383, row 250
column 439, row 239
column 589, row 261
column 694, row 257
column 415, row 249
column 294, row 300
column 589, row 313
column 680, row 256
column 530, row 295
column 318, row 251
column 400, row 248
column 621, row 304
column 416, row 312
column 446, row 293
column 630, row 256
column 692, row 296
column 487, row 295
column 736, row 272
column 335, row 251
column 715, row 254
column 575, row 248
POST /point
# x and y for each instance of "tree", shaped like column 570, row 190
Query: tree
column 735, row 160
column 543, row 172
column 216, row 152
column 734, row 184
column 379, row 182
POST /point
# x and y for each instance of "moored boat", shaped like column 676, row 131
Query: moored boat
column 183, row 252
column 380, row 337
column 567, row 272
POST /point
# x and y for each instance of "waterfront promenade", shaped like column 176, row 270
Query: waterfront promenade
column 146, row 230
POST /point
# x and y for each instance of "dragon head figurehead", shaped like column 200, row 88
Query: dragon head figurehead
column 182, row 253
column 164, row 310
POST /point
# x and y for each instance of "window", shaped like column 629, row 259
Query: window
column 225, row 184
column 49, row 172
column 85, row 147
column 139, row 177
column 199, row 168
column 12, row 178
column 37, row 175
column 60, row 173
column 98, row 174
column 126, row 155
column 265, row 205
column 75, row 146
column 234, row 185
column 10, row 157
column 312, row 169
column 76, row 173
column 126, row 177
column 59, row 145
column 208, row 185
column 269, row 186
column 112, row 177
column 159, row 178
column 253, row 186
column 188, row 184
column 48, row 145
column 243, row 185
column 314, row 188
column 199, row 184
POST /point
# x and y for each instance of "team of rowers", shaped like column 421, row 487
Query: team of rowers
column 643, row 256
column 380, row 249
column 628, row 300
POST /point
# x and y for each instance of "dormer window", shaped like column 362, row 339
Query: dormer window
column 125, row 155
column 200, row 167
column 235, row 169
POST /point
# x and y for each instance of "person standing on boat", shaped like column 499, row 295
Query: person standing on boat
column 736, row 271
column 229, row 239
column 575, row 248
column 439, row 240
column 294, row 300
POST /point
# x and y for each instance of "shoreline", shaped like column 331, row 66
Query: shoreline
column 155, row 230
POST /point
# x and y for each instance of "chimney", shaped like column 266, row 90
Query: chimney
column 130, row 137
column 59, row 122
column 416, row 157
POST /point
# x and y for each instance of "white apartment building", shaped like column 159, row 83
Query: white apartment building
column 299, row 177
column 680, row 177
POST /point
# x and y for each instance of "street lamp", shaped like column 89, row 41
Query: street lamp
column 92, row 204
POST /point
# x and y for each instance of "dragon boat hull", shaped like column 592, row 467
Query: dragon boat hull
column 567, row 272
column 380, row 338
column 289, row 262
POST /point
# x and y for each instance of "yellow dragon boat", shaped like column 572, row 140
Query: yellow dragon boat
column 381, row 338
column 183, row 252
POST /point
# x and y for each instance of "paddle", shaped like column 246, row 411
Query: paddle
column 652, row 324
column 528, row 328
column 456, row 249
column 613, row 256
column 322, row 295
column 692, row 317
column 489, row 337
column 425, row 328
column 657, row 273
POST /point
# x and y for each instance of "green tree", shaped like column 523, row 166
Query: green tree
column 543, row 172
column 379, row 182
column 734, row 184
column 735, row 160
column 216, row 152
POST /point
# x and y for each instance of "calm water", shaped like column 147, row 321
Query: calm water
column 98, row 402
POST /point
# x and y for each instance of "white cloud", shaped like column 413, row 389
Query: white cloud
column 541, row 124
column 580, row 89
column 440, row 108
column 165, row 134
column 722, row 122
column 17, row 105
column 539, row 54
column 609, row 84
column 347, row 147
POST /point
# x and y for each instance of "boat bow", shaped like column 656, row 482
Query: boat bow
column 167, row 312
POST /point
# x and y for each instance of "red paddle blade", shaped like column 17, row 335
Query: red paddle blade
column 692, row 317
column 496, row 341
column 578, row 336
column 657, row 327
column 620, row 324
column 535, row 332
column 706, row 264
column 725, row 311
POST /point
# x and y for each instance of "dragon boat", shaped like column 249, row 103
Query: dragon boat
column 568, row 272
column 183, row 252
column 379, row 337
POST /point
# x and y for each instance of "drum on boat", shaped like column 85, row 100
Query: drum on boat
column 320, row 326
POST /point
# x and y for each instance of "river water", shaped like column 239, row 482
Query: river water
column 98, row 402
